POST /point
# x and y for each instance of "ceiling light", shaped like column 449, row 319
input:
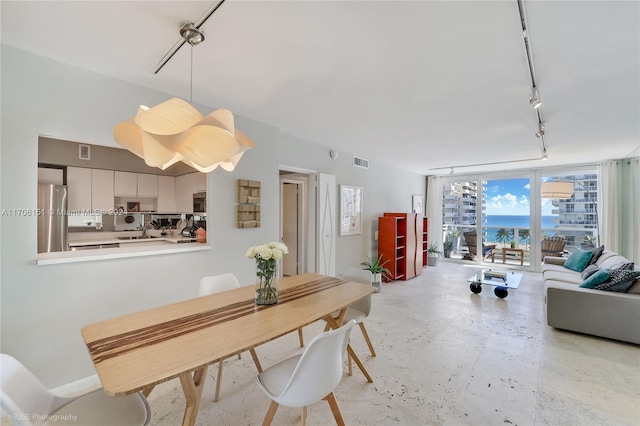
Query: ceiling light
column 175, row 131
column 534, row 101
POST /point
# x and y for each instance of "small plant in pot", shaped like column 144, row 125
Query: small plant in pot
column 377, row 270
column 432, row 254
column 447, row 247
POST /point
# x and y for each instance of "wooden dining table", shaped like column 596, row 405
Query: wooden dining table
column 138, row 351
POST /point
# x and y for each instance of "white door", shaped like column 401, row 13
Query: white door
column 326, row 224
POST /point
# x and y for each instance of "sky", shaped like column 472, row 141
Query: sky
column 511, row 197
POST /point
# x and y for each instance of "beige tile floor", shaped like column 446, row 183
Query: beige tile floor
column 445, row 357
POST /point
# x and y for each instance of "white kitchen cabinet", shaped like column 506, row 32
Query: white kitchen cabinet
column 79, row 188
column 147, row 185
column 201, row 182
column 185, row 188
column 126, row 184
column 167, row 194
column 102, row 189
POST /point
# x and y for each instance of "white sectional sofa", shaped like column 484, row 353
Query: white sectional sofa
column 609, row 314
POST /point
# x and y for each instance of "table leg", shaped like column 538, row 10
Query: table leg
column 192, row 386
column 147, row 391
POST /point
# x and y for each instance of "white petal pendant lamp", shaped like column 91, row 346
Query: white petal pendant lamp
column 175, row 131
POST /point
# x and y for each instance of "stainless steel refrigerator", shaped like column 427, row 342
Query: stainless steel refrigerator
column 52, row 218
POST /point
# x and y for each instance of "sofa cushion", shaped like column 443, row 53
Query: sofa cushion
column 596, row 253
column 578, row 260
column 619, row 280
column 595, row 279
column 566, row 276
column 589, row 270
column 609, row 259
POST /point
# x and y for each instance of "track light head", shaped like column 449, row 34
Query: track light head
column 540, row 131
column 191, row 34
column 534, row 101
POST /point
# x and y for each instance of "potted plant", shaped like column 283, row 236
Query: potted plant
column 432, row 254
column 513, row 244
column 447, row 247
column 455, row 235
column 377, row 270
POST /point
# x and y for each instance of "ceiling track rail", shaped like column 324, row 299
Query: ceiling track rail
column 534, row 86
column 532, row 72
column 167, row 57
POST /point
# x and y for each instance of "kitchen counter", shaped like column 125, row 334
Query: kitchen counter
column 159, row 244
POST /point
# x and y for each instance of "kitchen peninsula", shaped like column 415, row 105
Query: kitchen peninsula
column 87, row 246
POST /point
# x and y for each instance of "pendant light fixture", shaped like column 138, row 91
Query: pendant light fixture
column 175, row 131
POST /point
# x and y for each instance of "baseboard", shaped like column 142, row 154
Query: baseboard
column 78, row 387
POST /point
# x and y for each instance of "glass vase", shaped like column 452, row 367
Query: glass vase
column 266, row 283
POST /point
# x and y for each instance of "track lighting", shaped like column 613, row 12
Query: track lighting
column 534, row 101
column 540, row 131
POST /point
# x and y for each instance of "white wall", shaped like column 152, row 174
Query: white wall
column 43, row 308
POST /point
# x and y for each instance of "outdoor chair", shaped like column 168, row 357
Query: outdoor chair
column 553, row 246
column 487, row 249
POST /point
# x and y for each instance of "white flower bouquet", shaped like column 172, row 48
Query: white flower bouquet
column 267, row 257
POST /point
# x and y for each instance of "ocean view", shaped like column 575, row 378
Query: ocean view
column 513, row 222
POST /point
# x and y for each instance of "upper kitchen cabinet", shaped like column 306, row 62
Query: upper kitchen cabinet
column 167, row 194
column 129, row 184
column 201, row 182
column 89, row 189
column 186, row 186
column 101, row 189
column 147, row 185
column 126, row 184
column 79, row 185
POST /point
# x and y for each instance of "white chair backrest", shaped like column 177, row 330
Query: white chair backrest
column 319, row 369
column 362, row 276
column 356, row 274
column 218, row 283
column 22, row 392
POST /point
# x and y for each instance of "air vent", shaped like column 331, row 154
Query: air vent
column 84, row 152
column 360, row 162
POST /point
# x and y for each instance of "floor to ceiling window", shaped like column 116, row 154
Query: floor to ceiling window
column 510, row 214
column 574, row 213
column 506, row 220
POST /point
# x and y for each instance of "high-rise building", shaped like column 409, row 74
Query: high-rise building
column 460, row 203
column 577, row 216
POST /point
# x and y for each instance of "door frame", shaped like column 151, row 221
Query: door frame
column 308, row 262
column 302, row 217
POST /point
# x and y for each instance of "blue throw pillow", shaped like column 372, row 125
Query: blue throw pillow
column 578, row 260
column 595, row 279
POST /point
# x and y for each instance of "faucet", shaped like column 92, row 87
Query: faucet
column 143, row 229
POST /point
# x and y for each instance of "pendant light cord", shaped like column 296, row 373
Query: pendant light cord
column 191, row 78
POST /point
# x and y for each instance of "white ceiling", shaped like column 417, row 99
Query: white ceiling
column 417, row 85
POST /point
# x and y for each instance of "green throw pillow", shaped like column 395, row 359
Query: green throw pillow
column 595, row 279
column 578, row 260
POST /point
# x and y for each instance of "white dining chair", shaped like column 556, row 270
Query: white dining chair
column 25, row 399
column 216, row 284
column 307, row 378
column 358, row 311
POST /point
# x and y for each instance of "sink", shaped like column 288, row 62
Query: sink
column 138, row 237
